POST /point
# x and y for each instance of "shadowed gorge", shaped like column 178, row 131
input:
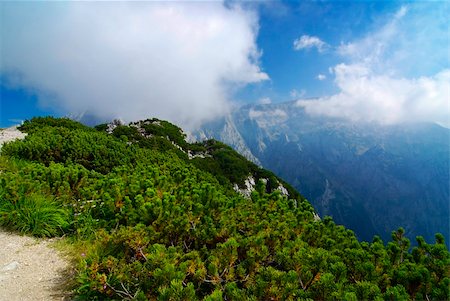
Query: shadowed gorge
column 369, row 177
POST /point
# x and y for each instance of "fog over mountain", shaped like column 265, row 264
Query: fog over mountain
column 130, row 60
column 370, row 177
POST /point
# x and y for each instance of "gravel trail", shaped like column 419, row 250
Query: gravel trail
column 30, row 269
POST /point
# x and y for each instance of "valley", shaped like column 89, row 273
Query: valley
column 369, row 177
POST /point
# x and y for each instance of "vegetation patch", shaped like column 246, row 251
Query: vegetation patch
column 148, row 223
column 35, row 215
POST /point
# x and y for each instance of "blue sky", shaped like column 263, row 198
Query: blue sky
column 337, row 23
column 332, row 22
column 188, row 62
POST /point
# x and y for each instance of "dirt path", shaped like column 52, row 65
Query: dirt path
column 30, row 269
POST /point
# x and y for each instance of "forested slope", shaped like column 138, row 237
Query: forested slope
column 157, row 218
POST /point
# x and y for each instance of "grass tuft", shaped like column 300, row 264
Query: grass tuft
column 35, row 215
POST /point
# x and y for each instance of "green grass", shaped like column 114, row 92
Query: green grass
column 35, row 215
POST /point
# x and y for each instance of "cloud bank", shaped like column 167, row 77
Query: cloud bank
column 365, row 96
column 397, row 73
column 131, row 60
column 266, row 119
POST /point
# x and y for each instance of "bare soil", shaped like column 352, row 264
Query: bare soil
column 30, row 269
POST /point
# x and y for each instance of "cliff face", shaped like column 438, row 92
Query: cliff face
column 369, row 177
column 225, row 129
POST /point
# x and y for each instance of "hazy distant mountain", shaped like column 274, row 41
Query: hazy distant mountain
column 369, row 177
column 88, row 118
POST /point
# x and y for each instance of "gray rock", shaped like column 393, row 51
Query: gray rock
column 10, row 266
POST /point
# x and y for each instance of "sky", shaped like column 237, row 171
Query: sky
column 190, row 62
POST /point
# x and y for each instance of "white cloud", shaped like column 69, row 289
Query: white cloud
column 133, row 60
column 277, row 113
column 391, row 75
column 265, row 101
column 413, row 41
column 297, row 94
column 401, row 12
column 371, row 49
column 308, row 42
column 365, row 96
column 268, row 118
column 321, row 77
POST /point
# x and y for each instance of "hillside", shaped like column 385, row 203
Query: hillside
column 372, row 178
column 229, row 167
column 153, row 217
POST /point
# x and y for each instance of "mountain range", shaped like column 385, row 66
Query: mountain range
column 370, row 177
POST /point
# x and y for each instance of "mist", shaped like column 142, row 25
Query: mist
column 136, row 60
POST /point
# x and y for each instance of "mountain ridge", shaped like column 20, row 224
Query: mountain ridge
column 317, row 156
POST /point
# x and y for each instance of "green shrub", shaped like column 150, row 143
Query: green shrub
column 150, row 224
column 34, row 214
column 94, row 150
column 37, row 123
